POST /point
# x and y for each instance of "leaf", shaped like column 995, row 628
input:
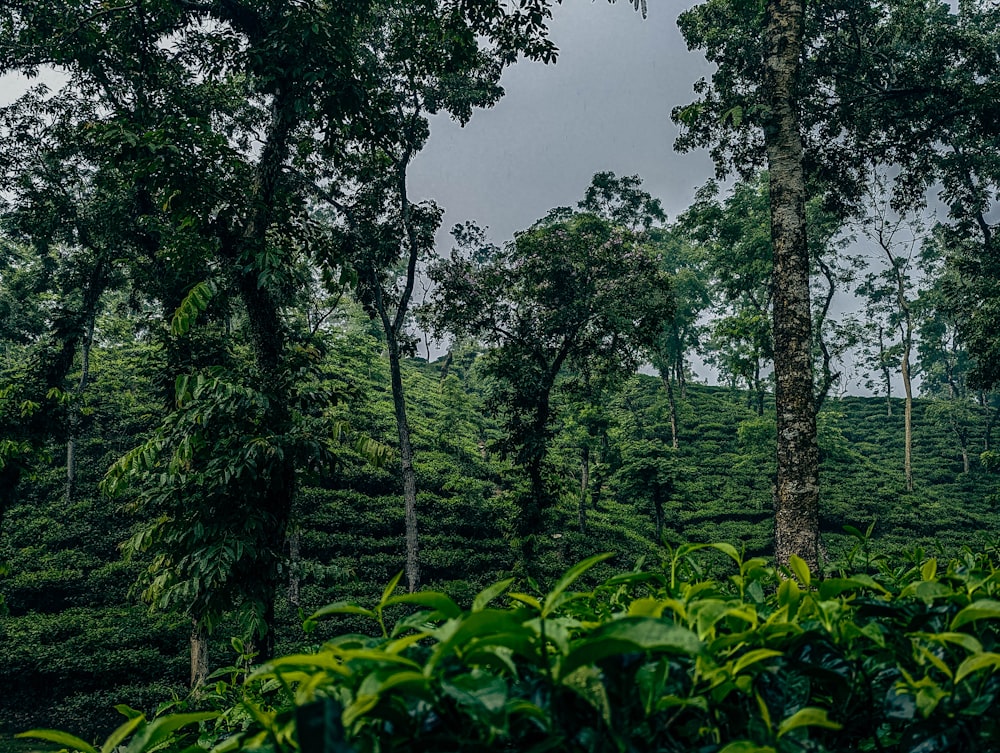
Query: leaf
column 801, row 569
column 752, row 657
column 745, row 746
column 159, row 730
column 60, row 738
column 488, row 594
column 586, row 682
column 984, row 609
column 729, row 550
column 929, row 570
column 807, row 717
column 341, row 607
column 390, row 588
column 569, row 578
column 115, row 738
column 975, row 663
column 628, row 635
column 433, row 599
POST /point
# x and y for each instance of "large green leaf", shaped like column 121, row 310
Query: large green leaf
column 628, row 635
column 552, row 598
column 984, row 609
column 60, row 738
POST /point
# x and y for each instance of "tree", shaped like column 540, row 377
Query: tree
column 214, row 122
column 573, row 291
column 685, row 262
column 890, row 302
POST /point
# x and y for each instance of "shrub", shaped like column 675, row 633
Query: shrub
column 903, row 658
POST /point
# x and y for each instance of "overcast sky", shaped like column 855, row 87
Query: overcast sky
column 605, row 105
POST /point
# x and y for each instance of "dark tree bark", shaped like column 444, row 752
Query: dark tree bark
column 797, row 500
column 199, row 655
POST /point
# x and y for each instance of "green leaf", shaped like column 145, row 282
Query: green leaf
column 390, row 588
column 801, row 569
column 628, row 635
column 341, row 607
column 159, row 730
column 754, row 656
column 569, row 578
column 115, row 738
column 807, row 717
column 929, row 570
column 488, row 594
column 586, row 682
column 975, row 663
column 984, row 609
column 745, row 746
column 60, row 738
column 433, row 599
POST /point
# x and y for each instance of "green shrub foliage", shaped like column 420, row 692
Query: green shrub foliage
column 901, row 657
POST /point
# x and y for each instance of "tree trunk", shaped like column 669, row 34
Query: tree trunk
column 965, row 460
column 406, row 467
column 74, row 410
column 797, row 503
column 886, row 376
column 907, row 410
column 584, row 483
column 672, row 402
column 294, row 556
column 199, row 655
column 658, row 515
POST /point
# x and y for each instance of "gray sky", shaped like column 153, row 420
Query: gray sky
column 605, row 105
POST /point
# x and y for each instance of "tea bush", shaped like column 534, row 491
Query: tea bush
column 884, row 656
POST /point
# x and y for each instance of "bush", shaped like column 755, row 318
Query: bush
column 902, row 658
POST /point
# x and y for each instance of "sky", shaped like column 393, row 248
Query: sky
column 604, row 105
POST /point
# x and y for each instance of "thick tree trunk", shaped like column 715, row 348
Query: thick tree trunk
column 584, row 483
column 797, row 502
column 406, row 467
column 199, row 656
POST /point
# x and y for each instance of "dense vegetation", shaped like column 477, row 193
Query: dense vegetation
column 75, row 626
column 213, row 422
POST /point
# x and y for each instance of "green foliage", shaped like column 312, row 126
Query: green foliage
column 655, row 659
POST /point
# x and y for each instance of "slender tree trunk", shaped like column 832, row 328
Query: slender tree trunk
column 199, row 655
column 991, row 417
column 74, row 410
column 797, row 503
column 658, row 515
column 907, row 408
column 672, row 402
column 886, row 376
column 965, row 460
column 294, row 556
column 406, row 467
column 584, row 483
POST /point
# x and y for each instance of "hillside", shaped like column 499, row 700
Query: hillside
column 76, row 626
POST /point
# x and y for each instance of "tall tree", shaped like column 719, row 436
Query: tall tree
column 574, row 290
column 213, row 118
column 890, row 299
